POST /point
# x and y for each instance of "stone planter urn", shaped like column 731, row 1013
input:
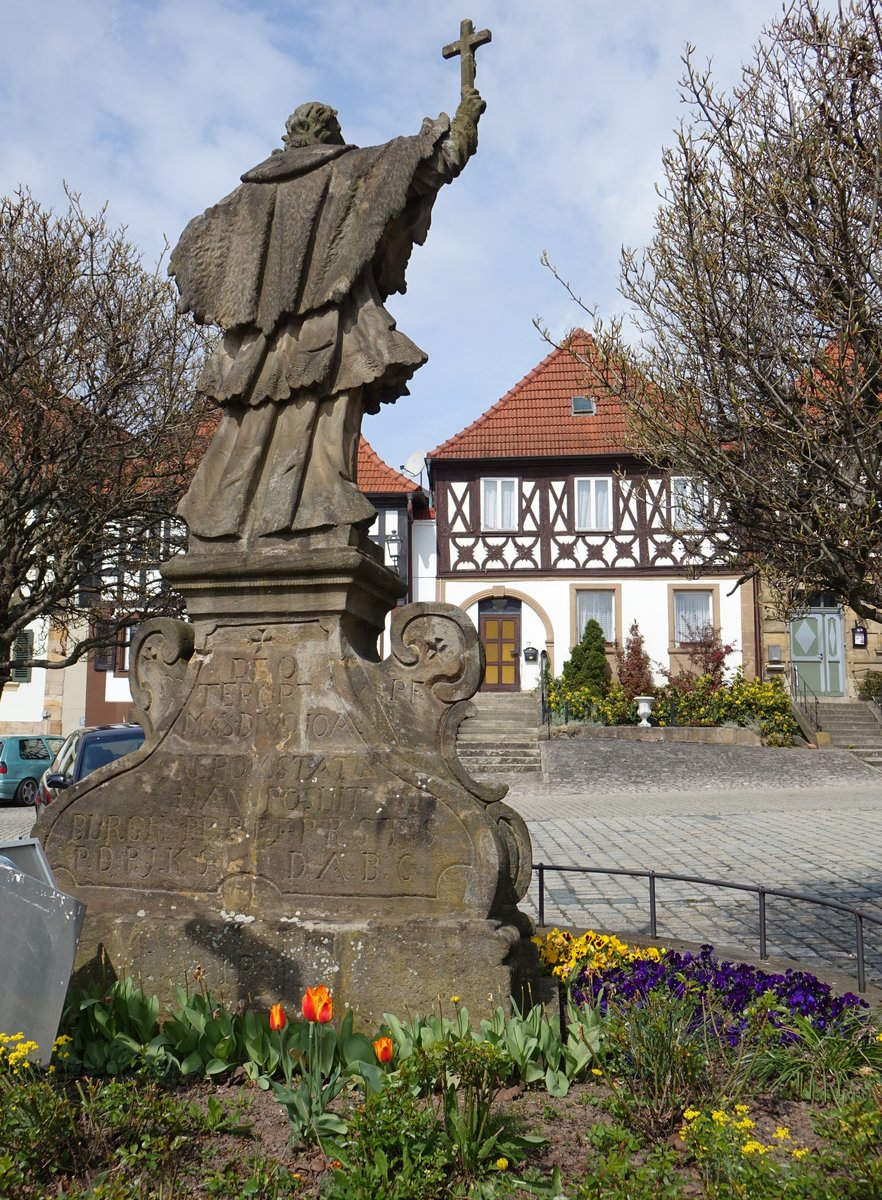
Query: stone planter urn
column 644, row 708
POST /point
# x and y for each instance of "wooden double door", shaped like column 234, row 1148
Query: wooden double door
column 500, row 634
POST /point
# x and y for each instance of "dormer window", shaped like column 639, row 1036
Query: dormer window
column 584, row 406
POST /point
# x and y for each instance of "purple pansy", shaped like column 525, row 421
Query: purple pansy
column 733, row 986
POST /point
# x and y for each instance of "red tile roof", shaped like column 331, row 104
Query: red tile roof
column 373, row 476
column 535, row 419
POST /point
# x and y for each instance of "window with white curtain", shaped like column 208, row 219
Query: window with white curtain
column 693, row 612
column 499, row 509
column 594, row 503
column 598, row 606
column 688, row 501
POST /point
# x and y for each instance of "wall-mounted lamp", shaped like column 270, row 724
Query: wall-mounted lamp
column 859, row 637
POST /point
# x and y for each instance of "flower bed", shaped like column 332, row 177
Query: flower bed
column 755, row 704
column 673, row 1075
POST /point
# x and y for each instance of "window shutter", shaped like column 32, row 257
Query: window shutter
column 23, row 647
column 104, row 654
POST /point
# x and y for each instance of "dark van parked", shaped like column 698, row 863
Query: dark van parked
column 84, row 751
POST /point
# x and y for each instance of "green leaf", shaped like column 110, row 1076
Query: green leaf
column 370, row 1074
column 330, row 1123
column 193, row 1062
column 403, row 1040
column 326, row 1047
column 225, row 1048
column 197, row 1020
column 216, row 1066
column 356, row 1048
column 556, row 1083
column 532, row 1073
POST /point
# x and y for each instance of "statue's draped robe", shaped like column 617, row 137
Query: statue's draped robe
column 295, row 265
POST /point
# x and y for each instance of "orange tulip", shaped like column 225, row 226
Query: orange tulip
column 316, row 1005
column 384, row 1049
column 278, row 1020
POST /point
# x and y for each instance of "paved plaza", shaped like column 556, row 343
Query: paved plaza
column 796, row 820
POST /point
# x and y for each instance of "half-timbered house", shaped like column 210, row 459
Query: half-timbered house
column 546, row 518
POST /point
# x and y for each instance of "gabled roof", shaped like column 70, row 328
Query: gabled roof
column 535, row 419
column 373, row 476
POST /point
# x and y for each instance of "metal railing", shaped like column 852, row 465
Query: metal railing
column 804, row 699
column 760, row 892
column 543, row 688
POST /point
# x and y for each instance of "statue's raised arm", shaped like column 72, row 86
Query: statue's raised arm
column 295, row 266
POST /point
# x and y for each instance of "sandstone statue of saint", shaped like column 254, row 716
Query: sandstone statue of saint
column 295, row 266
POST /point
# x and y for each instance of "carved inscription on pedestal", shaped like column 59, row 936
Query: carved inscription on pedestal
column 265, row 777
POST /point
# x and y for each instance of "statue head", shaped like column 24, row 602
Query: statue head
column 311, row 124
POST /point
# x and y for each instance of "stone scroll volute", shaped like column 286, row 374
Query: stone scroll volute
column 160, row 654
column 435, row 665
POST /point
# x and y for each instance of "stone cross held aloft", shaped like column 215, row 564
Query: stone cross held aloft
column 468, row 43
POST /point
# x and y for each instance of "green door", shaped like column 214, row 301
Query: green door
column 816, row 644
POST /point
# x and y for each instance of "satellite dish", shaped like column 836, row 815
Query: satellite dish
column 416, row 464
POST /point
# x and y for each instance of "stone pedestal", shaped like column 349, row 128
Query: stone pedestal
column 298, row 814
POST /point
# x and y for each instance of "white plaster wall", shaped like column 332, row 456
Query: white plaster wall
column 425, row 559
column 532, row 634
column 643, row 600
column 73, row 700
column 730, row 620
column 646, row 602
column 116, row 687
column 24, row 701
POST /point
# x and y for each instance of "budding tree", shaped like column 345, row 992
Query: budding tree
column 758, row 305
column 99, row 427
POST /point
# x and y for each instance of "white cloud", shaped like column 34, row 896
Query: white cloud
column 158, row 106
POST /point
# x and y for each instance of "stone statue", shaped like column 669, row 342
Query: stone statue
column 295, row 266
column 298, row 811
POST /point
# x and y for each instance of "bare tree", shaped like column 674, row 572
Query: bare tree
column 99, row 429
column 758, row 306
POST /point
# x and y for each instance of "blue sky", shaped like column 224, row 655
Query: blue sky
column 157, row 107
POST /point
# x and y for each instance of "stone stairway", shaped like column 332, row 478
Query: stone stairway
column 852, row 726
column 503, row 736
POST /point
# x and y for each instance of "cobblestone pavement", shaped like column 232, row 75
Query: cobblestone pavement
column 15, row 821
column 802, row 821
